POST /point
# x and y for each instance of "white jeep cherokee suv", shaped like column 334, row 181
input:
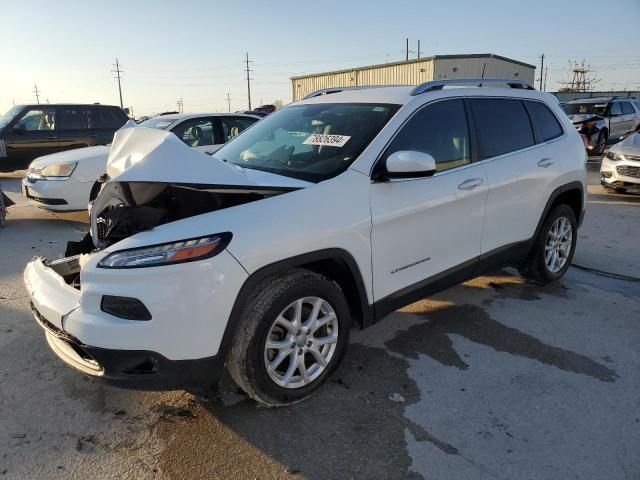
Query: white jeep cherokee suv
column 330, row 213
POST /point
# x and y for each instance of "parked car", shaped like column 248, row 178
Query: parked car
column 620, row 168
column 69, row 180
column 331, row 212
column 30, row 131
column 604, row 120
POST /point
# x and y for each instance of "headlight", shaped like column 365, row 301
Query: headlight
column 59, row 169
column 615, row 156
column 168, row 253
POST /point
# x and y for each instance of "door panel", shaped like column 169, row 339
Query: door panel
column 425, row 226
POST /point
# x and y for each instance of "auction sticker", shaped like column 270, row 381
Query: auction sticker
column 327, row 140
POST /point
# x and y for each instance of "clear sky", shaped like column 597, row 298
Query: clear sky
column 195, row 49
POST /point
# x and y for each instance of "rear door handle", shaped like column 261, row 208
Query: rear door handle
column 93, row 135
column 52, row 137
column 545, row 162
column 470, row 184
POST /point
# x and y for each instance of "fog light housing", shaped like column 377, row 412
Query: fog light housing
column 606, row 174
column 125, row 307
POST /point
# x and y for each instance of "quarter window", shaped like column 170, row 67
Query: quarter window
column 544, row 121
column 439, row 129
column 502, row 125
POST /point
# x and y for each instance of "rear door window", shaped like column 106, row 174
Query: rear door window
column 107, row 118
column 232, row 126
column 502, row 126
column 72, row 118
column 196, row 132
column 615, row 109
column 626, row 108
column 544, row 121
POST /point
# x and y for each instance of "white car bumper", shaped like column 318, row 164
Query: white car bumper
column 58, row 194
column 621, row 173
column 189, row 303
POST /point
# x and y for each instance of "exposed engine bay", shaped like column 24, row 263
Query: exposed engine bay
column 133, row 207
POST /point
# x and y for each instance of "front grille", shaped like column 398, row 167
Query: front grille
column 632, row 157
column 628, row 171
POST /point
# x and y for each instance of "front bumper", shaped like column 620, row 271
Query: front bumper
column 621, row 173
column 177, row 348
column 58, row 194
column 136, row 369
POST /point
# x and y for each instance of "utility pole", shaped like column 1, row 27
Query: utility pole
column 248, row 80
column 180, row 104
column 541, row 70
column 229, row 102
column 546, row 71
column 407, row 50
column 37, row 92
column 418, row 49
column 118, row 73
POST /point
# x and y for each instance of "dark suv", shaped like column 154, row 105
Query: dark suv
column 30, row 131
column 604, row 120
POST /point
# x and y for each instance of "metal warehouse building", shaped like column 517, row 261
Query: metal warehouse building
column 414, row 72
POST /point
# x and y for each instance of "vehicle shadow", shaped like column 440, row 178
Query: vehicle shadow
column 353, row 428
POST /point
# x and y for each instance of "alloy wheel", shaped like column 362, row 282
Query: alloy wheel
column 558, row 245
column 301, row 342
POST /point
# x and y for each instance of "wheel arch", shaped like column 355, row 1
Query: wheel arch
column 334, row 263
column 571, row 194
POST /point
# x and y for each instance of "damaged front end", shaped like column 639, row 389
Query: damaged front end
column 156, row 179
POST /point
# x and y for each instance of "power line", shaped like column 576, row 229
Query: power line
column 37, row 92
column 248, row 80
column 118, row 73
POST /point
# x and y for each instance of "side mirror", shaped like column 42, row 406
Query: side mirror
column 409, row 164
column 19, row 128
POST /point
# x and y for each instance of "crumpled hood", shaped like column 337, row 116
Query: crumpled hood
column 75, row 155
column 583, row 117
column 151, row 155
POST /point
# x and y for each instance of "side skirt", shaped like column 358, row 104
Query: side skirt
column 500, row 257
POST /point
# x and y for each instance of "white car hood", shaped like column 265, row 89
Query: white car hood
column 76, row 155
column 629, row 146
column 151, row 155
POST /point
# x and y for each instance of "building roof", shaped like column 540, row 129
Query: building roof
column 417, row 60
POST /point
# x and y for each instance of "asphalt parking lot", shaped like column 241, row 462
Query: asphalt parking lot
column 493, row 379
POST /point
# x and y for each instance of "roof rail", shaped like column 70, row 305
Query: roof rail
column 327, row 91
column 477, row 82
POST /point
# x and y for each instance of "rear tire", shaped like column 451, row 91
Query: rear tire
column 282, row 353
column 553, row 248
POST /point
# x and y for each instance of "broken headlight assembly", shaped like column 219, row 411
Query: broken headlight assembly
column 616, row 157
column 168, row 253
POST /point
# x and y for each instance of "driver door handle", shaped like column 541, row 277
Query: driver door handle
column 52, row 137
column 470, row 184
column 545, row 162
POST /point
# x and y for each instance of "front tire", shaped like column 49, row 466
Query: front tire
column 601, row 143
column 554, row 247
column 292, row 335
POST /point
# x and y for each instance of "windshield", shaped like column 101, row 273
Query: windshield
column 157, row 122
column 309, row 142
column 585, row 108
column 7, row 117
